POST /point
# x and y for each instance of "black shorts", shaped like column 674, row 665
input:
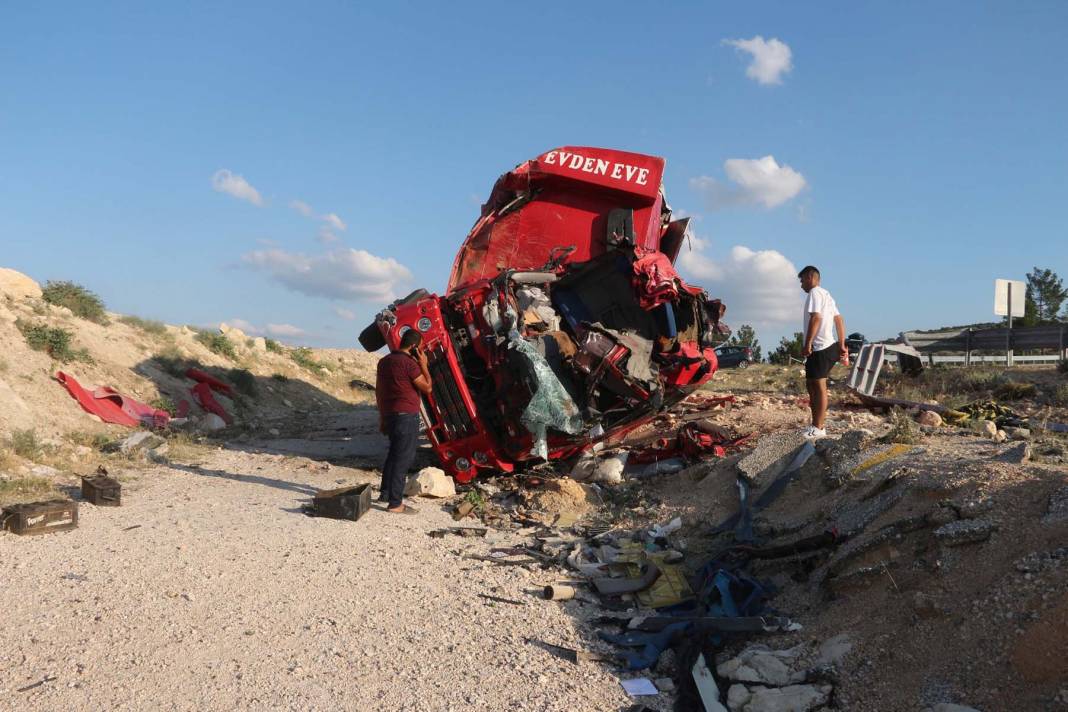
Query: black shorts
column 820, row 363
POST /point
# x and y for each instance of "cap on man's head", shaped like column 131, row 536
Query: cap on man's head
column 809, row 269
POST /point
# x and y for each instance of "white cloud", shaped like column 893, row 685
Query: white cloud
column 343, row 273
column 770, row 58
column 334, row 221
column 301, row 207
column 757, row 181
column 285, row 330
column 326, row 235
column 226, row 182
column 759, row 287
column 281, row 330
column 346, row 314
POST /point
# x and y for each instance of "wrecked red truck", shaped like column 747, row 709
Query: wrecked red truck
column 564, row 322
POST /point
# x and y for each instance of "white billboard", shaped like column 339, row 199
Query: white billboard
column 1001, row 297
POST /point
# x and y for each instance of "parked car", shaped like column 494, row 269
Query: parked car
column 734, row 356
column 854, row 342
column 564, row 323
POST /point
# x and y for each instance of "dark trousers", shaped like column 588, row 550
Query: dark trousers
column 403, row 432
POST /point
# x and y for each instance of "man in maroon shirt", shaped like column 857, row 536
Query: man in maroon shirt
column 402, row 376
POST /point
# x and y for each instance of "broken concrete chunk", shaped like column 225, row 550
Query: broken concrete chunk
column 430, row 482
column 610, row 469
column 964, row 531
column 771, row 456
column 986, row 428
column 763, row 665
column 1057, row 511
column 794, row 698
column 141, row 440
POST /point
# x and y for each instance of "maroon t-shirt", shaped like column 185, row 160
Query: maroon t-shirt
column 395, row 385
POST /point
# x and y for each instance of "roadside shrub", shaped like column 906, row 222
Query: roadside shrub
column 1059, row 397
column 150, row 326
column 217, row 343
column 274, row 347
column 1012, row 390
column 243, row 381
column 303, row 357
column 28, row 488
column 164, row 403
column 903, row 428
column 54, row 341
column 97, row 441
column 82, row 302
column 25, row 443
column 172, row 362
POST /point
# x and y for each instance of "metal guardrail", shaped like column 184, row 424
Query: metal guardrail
column 988, row 358
column 964, row 340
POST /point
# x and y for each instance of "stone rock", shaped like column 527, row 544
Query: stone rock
column 964, row 531
column 234, row 334
column 430, row 482
column 793, row 698
column 759, row 663
column 929, row 418
column 141, row 440
column 1058, row 507
column 1000, row 436
column 44, row 471
column 259, row 344
column 974, row 507
column 1017, row 454
column 950, row 707
column 833, row 650
column 158, row 454
column 986, row 428
column 211, row 422
column 1018, row 433
column 7, row 316
column 17, row 285
column 583, row 469
column 610, row 469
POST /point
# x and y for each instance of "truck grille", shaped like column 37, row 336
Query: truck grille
column 450, row 416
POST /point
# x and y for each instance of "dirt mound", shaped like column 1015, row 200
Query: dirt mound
column 562, row 496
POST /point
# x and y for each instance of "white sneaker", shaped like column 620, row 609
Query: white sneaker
column 813, row 433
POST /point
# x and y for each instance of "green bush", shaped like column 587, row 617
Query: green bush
column 274, row 346
column 54, row 341
column 217, row 343
column 150, row 326
column 243, row 381
column 165, row 403
column 303, row 357
column 82, row 302
column 25, row 444
column 903, row 428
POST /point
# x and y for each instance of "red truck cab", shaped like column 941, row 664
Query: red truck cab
column 564, row 322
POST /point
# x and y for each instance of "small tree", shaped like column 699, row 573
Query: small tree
column 746, row 336
column 787, row 349
column 1044, row 297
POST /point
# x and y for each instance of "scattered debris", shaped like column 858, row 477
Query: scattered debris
column 342, row 503
column 54, row 515
column 459, row 531
column 113, row 407
column 638, row 686
column 101, row 489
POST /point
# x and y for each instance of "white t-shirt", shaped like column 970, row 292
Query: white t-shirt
column 820, row 301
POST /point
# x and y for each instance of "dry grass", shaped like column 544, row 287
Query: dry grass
column 26, row 489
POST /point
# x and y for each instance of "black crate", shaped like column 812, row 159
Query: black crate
column 54, row 515
column 101, row 490
column 343, row 503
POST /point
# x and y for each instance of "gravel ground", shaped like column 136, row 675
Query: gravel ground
column 226, row 596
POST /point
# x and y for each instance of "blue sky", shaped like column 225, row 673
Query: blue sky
column 918, row 150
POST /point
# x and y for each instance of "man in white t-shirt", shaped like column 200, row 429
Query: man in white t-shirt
column 820, row 320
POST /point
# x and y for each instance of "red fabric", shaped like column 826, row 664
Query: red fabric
column 113, row 407
column 656, row 279
column 203, row 395
column 395, row 384
column 216, row 385
column 183, row 409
